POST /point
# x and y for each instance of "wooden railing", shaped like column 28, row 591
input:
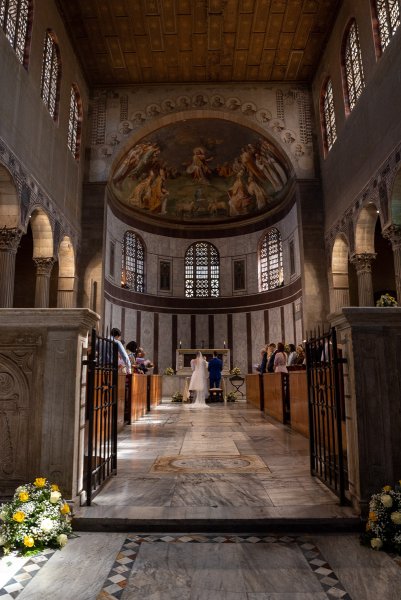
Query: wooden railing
column 144, row 393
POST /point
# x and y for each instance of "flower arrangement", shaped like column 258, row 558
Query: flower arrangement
column 231, row 397
column 235, row 371
column 177, row 397
column 169, row 371
column 383, row 529
column 36, row 518
column 386, row 300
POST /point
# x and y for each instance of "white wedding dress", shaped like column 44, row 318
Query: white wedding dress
column 199, row 381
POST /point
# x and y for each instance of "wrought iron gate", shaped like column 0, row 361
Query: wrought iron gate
column 326, row 412
column 101, row 413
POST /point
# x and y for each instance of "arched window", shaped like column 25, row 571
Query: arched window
column 328, row 116
column 388, row 18
column 15, row 20
column 51, row 74
column 352, row 59
column 133, row 263
column 74, row 122
column 202, row 271
column 271, row 261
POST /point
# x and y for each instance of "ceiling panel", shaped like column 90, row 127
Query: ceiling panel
column 156, row 41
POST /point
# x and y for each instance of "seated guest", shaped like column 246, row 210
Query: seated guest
column 104, row 350
column 215, row 368
column 143, row 364
column 292, row 357
column 301, row 359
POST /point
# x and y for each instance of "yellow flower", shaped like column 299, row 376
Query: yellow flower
column 23, row 496
column 29, row 541
column 372, row 516
column 387, row 488
column 55, row 487
column 40, row 482
column 19, row 516
column 368, row 527
column 65, row 509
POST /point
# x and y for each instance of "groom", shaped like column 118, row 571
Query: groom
column 215, row 367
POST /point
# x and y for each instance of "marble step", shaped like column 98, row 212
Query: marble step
column 319, row 519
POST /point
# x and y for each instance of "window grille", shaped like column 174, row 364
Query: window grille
column 271, row 261
column 14, row 21
column 133, row 263
column 353, row 66
column 74, row 123
column 202, row 271
column 388, row 17
column 50, row 74
column 329, row 117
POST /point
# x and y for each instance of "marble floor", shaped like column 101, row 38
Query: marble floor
column 221, row 462
column 128, row 566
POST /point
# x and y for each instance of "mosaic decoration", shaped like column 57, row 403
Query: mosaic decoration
column 20, row 580
column 201, row 169
column 209, row 464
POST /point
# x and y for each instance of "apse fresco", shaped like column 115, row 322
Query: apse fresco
column 200, row 169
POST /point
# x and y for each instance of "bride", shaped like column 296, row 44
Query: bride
column 199, row 381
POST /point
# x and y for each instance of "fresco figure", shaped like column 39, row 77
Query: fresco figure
column 199, row 168
column 239, row 198
column 140, row 197
column 158, row 192
column 257, row 191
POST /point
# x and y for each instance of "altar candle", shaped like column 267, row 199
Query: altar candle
column 224, row 344
column 180, row 343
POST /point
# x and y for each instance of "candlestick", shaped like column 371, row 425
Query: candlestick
column 180, row 343
column 224, row 344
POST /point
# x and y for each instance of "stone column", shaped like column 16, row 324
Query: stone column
column 393, row 233
column 363, row 265
column 66, row 297
column 43, row 271
column 9, row 242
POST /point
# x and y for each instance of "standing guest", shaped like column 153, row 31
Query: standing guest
column 280, row 359
column 271, row 353
column 115, row 335
column 215, row 368
column 292, row 357
column 132, row 348
column 300, row 356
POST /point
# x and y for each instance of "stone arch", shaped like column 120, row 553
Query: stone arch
column 365, row 230
column 395, row 201
column 66, row 297
column 42, row 234
column 10, row 213
column 339, row 272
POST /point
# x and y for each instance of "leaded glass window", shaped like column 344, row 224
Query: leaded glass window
column 133, row 263
column 329, row 117
column 14, row 21
column 202, row 271
column 74, row 122
column 51, row 74
column 353, row 66
column 388, row 17
column 271, row 261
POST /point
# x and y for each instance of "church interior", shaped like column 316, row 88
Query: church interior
column 201, row 176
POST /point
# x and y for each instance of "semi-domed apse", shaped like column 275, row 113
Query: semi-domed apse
column 201, row 170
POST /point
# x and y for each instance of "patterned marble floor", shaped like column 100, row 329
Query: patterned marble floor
column 221, row 461
column 129, row 566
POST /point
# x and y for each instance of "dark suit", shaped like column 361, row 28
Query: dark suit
column 215, row 367
column 270, row 364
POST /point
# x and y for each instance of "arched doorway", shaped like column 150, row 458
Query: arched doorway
column 339, row 270
column 43, row 255
column 25, row 274
column 365, row 253
column 10, row 234
column 383, row 267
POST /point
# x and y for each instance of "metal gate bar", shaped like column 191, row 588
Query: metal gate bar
column 102, row 378
column 326, row 411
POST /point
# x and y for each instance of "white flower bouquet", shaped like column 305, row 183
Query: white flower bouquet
column 36, row 518
column 235, row 371
column 386, row 300
column 383, row 528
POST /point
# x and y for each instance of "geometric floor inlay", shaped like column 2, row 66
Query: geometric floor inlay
column 209, row 464
column 118, row 577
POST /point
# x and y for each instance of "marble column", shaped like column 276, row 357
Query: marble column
column 43, row 271
column 9, row 242
column 66, row 297
column 393, row 233
column 363, row 265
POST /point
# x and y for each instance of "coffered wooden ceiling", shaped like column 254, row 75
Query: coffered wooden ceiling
column 155, row 41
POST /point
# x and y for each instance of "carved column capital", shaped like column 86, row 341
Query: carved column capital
column 44, row 265
column 393, row 234
column 10, row 239
column 363, row 262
